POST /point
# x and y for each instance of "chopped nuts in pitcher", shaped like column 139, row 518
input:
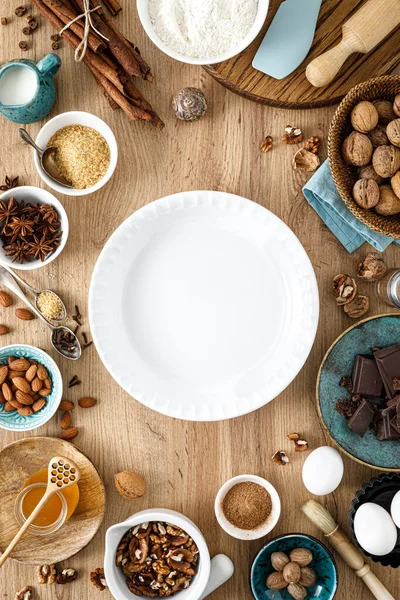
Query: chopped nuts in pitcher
column 158, row 559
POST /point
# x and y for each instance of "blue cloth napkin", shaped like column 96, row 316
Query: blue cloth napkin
column 321, row 193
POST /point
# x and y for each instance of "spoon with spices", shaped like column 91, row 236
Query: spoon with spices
column 47, row 159
column 63, row 340
column 48, row 302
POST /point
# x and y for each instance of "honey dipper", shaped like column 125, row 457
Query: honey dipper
column 63, row 473
column 323, row 519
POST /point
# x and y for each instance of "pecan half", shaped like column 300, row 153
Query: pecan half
column 292, row 135
column 24, row 594
column 67, row 576
column 98, row 579
column 47, row 573
column 281, row 458
column 266, row 144
column 300, row 444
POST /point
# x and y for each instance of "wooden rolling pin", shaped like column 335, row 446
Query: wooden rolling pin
column 361, row 33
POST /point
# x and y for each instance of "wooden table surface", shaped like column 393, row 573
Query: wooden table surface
column 184, row 464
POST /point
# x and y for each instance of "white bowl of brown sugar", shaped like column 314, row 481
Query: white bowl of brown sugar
column 87, row 152
column 247, row 507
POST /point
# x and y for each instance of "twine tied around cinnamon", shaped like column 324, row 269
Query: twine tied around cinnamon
column 81, row 48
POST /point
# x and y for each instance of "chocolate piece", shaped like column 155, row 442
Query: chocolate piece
column 362, row 418
column 395, row 424
column 389, row 432
column 346, row 382
column 396, row 383
column 393, row 401
column 366, row 378
column 347, row 406
column 388, row 363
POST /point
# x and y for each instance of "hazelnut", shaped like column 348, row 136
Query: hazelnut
column 396, row 105
column 393, row 132
column 275, row 581
column 386, row 160
column 357, row 307
column 385, row 111
column 366, row 193
column 378, row 136
column 129, row 485
column 372, row 268
column 357, row 149
column 344, row 290
column 291, row 572
column 389, row 203
column 279, row 560
column 297, row 591
column 301, row 556
column 369, row 172
column 364, row 117
column 395, row 182
column 308, row 577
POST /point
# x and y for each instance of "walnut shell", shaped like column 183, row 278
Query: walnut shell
column 129, row 485
column 393, row 132
column 372, row 268
column 386, row 160
column 378, row 136
column 385, row 111
column 357, row 307
column 364, row 117
column 357, row 149
column 344, row 290
column 395, row 182
column 389, row 203
column 369, row 172
column 366, row 193
column 396, row 105
column 304, row 160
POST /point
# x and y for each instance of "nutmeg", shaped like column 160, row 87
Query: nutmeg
column 279, row 560
column 378, row 136
column 386, row 160
column 389, row 203
column 276, row 581
column 364, row 117
column 369, row 172
column 385, row 111
column 308, row 577
column 357, row 149
column 393, row 132
column 297, row 591
column 396, row 105
column 395, row 183
column 301, row 556
column 366, row 193
column 129, row 485
column 291, row 572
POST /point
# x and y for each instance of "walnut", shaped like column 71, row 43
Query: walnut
column 304, row 160
column 369, row 172
column 393, row 132
column 279, row 560
column 300, row 444
column 344, row 288
column 292, row 135
column 24, row 594
column 395, row 183
column 291, row 572
column 276, row 581
column 386, row 160
column 67, row 576
column 129, row 485
column 46, row 573
column 357, row 307
column 372, row 268
column 281, row 458
column 366, row 193
column 385, row 111
column 389, row 203
column 297, row 591
column 357, row 149
column 266, row 144
column 98, row 579
column 396, row 105
column 364, row 117
column 378, row 136
column 312, row 144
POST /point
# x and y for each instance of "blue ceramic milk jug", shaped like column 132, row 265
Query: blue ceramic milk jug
column 27, row 91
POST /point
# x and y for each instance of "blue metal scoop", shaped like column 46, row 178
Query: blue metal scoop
column 288, row 39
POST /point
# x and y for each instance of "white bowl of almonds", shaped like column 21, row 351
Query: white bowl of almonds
column 87, row 152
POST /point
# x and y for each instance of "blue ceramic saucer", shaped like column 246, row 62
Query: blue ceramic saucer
column 381, row 331
column 322, row 563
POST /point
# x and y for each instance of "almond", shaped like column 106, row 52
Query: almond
column 11, row 359
column 31, row 373
column 42, row 372
column 12, row 374
column 25, row 411
column 24, row 314
column 47, row 383
column 66, row 405
column 66, row 420
column 38, row 404
column 8, row 407
column 19, row 364
column 22, row 384
column 69, row 434
column 5, row 299
column 2, row 399
column 15, row 403
column 44, row 392
column 87, row 402
column 3, row 373
column 4, row 329
column 36, row 384
column 129, row 485
column 24, row 398
column 7, row 393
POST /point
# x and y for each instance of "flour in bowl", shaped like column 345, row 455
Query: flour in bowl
column 202, row 28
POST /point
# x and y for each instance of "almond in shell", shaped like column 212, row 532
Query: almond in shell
column 129, row 485
column 38, row 404
column 5, row 299
column 87, row 402
column 22, row 384
column 69, row 434
column 24, row 314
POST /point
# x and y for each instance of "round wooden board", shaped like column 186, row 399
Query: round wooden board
column 18, row 461
column 294, row 91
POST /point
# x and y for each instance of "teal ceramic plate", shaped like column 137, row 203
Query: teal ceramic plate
column 322, row 563
column 338, row 361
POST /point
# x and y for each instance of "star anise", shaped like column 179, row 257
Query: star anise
column 46, row 228
column 19, row 251
column 55, row 240
column 8, row 209
column 40, row 248
column 48, row 213
column 22, row 225
column 9, row 184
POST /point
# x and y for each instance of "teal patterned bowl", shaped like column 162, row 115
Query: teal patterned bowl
column 12, row 420
column 322, row 563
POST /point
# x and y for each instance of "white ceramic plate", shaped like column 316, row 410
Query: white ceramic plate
column 203, row 305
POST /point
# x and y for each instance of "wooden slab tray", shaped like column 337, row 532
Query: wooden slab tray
column 18, row 461
column 295, row 91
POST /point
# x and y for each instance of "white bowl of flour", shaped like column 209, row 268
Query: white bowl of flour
column 202, row 32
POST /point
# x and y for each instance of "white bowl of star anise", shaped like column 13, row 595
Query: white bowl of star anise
column 33, row 228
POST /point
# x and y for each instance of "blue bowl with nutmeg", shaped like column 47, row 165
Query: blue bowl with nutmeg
column 294, row 565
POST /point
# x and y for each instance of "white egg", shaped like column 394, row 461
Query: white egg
column 395, row 509
column 374, row 529
column 323, row 471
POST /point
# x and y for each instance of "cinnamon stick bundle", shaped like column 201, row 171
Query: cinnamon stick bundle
column 113, row 6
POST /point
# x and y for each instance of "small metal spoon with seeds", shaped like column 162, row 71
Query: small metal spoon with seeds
column 47, row 159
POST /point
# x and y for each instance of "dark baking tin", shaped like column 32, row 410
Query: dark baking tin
column 381, row 491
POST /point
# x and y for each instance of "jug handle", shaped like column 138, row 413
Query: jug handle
column 49, row 65
column 222, row 569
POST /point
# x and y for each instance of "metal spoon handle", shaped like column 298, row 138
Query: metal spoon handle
column 27, row 138
column 18, row 278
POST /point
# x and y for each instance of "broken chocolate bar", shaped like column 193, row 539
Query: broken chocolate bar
column 388, row 363
column 366, row 378
column 362, row 418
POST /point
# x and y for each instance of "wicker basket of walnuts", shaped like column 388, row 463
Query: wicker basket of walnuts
column 364, row 153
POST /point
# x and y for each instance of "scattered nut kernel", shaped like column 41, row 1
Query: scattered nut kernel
column 98, row 579
column 66, row 576
column 46, row 574
column 344, row 288
column 266, row 144
column 312, row 144
column 292, row 135
column 3, row 20
column 301, row 445
column 281, row 458
column 24, row 594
